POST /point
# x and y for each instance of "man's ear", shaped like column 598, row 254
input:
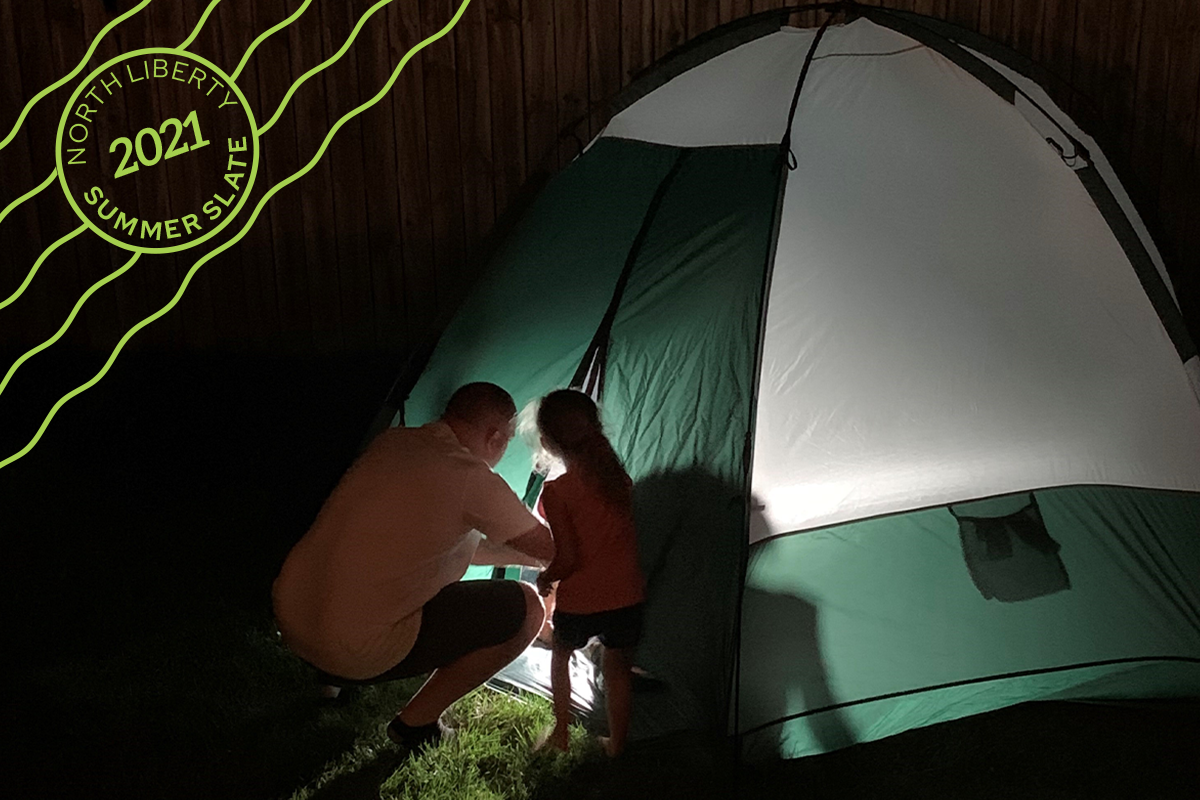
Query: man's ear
column 497, row 440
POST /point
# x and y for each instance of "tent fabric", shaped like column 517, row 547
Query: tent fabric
column 921, row 377
column 910, row 438
column 527, row 323
column 678, row 403
column 914, row 620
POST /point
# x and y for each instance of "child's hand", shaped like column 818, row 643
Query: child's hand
column 544, row 586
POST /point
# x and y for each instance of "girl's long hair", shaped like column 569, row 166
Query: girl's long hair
column 570, row 423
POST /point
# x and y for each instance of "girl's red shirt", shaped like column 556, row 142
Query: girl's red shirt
column 607, row 575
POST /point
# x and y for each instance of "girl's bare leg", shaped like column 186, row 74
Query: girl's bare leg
column 560, row 686
column 618, row 686
column 547, row 632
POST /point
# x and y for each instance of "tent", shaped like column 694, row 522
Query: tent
column 898, row 372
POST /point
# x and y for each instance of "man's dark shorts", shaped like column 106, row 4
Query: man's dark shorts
column 619, row 628
column 460, row 619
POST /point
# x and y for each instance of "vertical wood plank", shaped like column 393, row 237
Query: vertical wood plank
column 1058, row 46
column 996, row 20
column 702, row 16
column 109, row 308
column 380, row 187
column 1088, row 55
column 604, row 58
column 343, row 93
column 1179, row 192
column 670, row 26
column 207, row 43
column 280, row 158
column 49, row 213
column 235, row 329
column 445, row 168
column 537, row 41
column 964, row 13
column 637, row 38
column 197, row 305
column 161, row 280
column 801, row 19
column 139, row 292
column 507, row 90
column 571, row 56
column 67, row 280
column 1120, row 67
column 1027, row 27
column 412, row 159
column 1153, row 67
column 729, row 10
column 253, row 258
column 931, row 8
column 316, row 187
column 475, row 131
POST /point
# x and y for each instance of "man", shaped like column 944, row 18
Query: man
column 373, row 592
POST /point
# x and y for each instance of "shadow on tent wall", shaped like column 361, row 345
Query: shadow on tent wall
column 780, row 631
column 691, row 541
column 692, row 537
column 781, row 634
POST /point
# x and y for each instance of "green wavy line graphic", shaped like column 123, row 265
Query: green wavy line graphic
column 69, row 76
column 31, row 193
column 254, row 216
column 345, row 46
column 262, row 37
column 196, row 31
column 184, row 46
column 38, row 264
column 70, row 318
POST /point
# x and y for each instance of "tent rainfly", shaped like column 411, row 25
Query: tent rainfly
column 896, row 368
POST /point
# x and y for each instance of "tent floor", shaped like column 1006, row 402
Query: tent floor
column 1034, row 750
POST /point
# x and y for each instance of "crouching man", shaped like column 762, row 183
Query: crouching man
column 373, row 592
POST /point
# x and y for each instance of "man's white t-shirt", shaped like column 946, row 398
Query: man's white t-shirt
column 403, row 523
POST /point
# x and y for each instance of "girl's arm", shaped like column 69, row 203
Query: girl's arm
column 566, row 544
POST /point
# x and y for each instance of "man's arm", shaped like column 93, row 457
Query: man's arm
column 535, row 543
column 491, row 553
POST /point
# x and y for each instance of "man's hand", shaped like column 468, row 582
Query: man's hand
column 544, row 586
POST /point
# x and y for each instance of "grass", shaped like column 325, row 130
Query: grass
column 491, row 758
column 216, row 707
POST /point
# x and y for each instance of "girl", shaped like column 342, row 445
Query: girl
column 600, row 586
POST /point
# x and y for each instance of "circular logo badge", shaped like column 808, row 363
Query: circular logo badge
column 157, row 150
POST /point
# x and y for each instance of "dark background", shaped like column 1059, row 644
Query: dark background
column 189, row 470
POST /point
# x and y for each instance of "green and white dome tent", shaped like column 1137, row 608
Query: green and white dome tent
column 898, row 373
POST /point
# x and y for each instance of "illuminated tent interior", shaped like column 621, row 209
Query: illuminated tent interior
column 899, row 375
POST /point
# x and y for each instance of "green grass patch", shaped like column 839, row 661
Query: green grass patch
column 216, row 706
column 491, row 758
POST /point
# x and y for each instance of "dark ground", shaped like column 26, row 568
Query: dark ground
column 140, row 537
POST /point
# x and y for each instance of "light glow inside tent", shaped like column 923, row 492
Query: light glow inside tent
column 913, row 424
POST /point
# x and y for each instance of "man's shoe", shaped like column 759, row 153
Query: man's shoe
column 412, row 738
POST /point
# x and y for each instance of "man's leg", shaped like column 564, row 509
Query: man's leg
column 455, row 680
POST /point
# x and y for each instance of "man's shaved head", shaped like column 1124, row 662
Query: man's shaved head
column 481, row 404
column 482, row 416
